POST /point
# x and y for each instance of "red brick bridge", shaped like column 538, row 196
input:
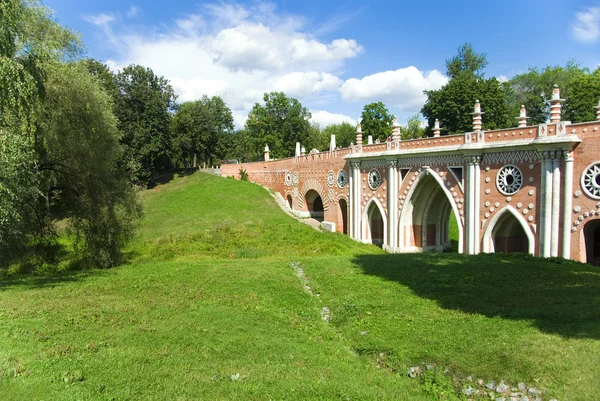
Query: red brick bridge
column 532, row 189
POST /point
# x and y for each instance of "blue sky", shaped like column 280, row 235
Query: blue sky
column 335, row 57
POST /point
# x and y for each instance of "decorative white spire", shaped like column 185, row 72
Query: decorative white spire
column 555, row 105
column 436, row 128
column 477, row 113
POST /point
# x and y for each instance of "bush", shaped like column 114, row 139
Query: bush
column 243, row 174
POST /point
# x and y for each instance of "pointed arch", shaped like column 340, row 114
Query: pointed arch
column 367, row 219
column 407, row 215
column 488, row 235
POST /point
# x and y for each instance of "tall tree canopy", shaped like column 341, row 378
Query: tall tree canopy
column 58, row 143
column 577, row 86
column 144, row 109
column 376, row 120
column 202, row 129
column 280, row 123
column 345, row 133
column 79, row 154
column 453, row 103
column 29, row 41
column 414, row 128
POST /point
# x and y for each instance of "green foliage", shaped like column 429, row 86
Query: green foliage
column 466, row 61
column 317, row 139
column 584, row 94
column 413, row 129
column 453, row 103
column 243, row 174
column 579, row 88
column 534, row 89
column 376, row 120
column 201, row 129
column 143, row 109
column 29, row 41
column 280, row 123
column 79, row 154
column 345, row 133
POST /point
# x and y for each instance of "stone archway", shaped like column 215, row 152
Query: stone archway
column 314, row 204
column 343, row 220
column 374, row 223
column 591, row 237
column 289, row 201
column 424, row 223
column 508, row 232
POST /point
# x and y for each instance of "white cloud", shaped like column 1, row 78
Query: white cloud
column 236, row 52
column 101, row 20
column 587, row 25
column 301, row 84
column 134, row 11
column 403, row 87
column 502, row 78
column 325, row 118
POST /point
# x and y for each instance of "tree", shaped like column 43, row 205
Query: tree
column 280, row 123
column 534, row 89
column 376, row 120
column 79, row 152
column 29, row 40
column 201, row 129
column 584, row 94
column 453, row 103
column 144, row 109
column 413, row 129
column 317, row 138
column 345, row 133
column 466, row 61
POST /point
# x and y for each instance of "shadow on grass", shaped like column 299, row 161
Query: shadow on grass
column 48, row 281
column 556, row 295
column 168, row 176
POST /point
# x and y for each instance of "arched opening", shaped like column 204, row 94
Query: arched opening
column 425, row 220
column 508, row 235
column 508, row 231
column 289, row 201
column 591, row 232
column 375, row 225
column 344, row 215
column 314, row 203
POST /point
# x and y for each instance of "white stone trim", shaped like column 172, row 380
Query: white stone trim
column 567, row 205
column 401, row 240
column 488, row 243
column 365, row 221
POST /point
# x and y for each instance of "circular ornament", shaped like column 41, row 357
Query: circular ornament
column 296, row 178
column 330, row 178
column 509, row 180
column 288, row 178
column 342, row 179
column 374, row 179
column 590, row 180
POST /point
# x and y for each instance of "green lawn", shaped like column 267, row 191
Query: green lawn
column 210, row 307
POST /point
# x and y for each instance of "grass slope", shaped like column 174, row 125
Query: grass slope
column 210, row 293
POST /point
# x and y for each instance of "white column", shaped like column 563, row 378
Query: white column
column 547, row 200
column 392, row 194
column 567, row 205
column 470, row 207
column 477, row 205
column 357, row 202
column 351, row 200
column 555, row 203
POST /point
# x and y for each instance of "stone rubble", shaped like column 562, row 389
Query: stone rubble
column 478, row 389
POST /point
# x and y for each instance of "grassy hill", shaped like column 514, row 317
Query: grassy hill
column 226, row 297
